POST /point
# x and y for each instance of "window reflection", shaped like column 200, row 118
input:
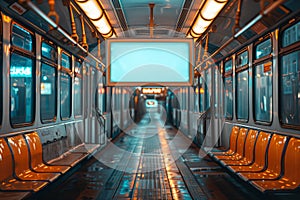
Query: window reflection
column 290, row 89
column 228, row 98
column 21, row 89
column 263, row 92
column 263, row 49
column 242, row 95
column 48, row 92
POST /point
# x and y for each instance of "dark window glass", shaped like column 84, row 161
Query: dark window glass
column 242, row 95
column 65, row 88
column 49, row 51
column 78, row 90
column 48, row 93
column 263, row 92
column 290, row 89
column 21, row 38
column 65, row 95
column 65, row 61
column 228, row 66
column 242, row 59
column 291, row 35
column 201, row 92
column 207, row 88
column 263, row 49
column 1, row 78
column 228, row 98
column 21, row 89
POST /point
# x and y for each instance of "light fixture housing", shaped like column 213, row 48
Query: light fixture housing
column 206, row 15
column 95, row 12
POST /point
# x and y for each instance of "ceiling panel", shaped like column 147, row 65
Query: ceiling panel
column 166, row 12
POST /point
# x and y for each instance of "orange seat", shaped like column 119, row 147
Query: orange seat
column 259, row 156
column 8, row 182
column 248, row 151
column 36, row 153
column 291, row 175
column 238, row 155
column 21, row 157
column 274, row 155
column 233, row 140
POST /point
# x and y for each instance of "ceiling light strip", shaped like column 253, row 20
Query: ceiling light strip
column 96, row 14
column 206, row 15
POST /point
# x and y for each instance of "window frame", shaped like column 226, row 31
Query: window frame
column 284, row 51
column 51, row 63
column 78, row 75
column 241, row 69
column 1, row 68
column 68, row 72
column 227, row 74
column 259, row 61
column 27, row 54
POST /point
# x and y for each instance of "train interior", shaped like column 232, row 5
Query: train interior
column 150, row 99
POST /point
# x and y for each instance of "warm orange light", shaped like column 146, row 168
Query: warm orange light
column 211, row 8
column 102, row 25
column 94, row 11
column 91, row 8
column 151, row 90
column 201, row 91
column 207, row 14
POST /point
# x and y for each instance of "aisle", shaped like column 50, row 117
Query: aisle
column 150, row 161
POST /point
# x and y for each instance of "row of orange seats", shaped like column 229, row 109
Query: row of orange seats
column 21, row 164
column 269, row 162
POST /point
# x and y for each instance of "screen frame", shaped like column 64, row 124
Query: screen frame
column 189, row 41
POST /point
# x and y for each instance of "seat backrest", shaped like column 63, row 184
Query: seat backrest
column 261, row 148
column 35, row 148
column 6, row 167
column 241, row 141
column 292, row 161
column 250, row 143
column 276, row 147
column 233, row 138
column 20, row 152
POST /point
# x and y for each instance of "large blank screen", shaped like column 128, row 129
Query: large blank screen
column 161, row 61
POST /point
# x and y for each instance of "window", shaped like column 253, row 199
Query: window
column 201, row 92
column 242, row 95
column 228, row 66
column 48, row 92
column 290, row 89
column 21, row 75
column 21, row 38
column 291, row 35
column 48, row 83
column 208, row 83
column 1, row 84
column 78, row 89
column 228, row 109
column 242, row 59
column 242, row 91
column 263, row 92
column 263, row 49
column 65, row 87
column 49, row 52
column 228, row 98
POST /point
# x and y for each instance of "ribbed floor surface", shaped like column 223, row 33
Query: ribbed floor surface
column 151, row 161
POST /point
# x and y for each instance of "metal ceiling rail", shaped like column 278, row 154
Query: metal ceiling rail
column 64, row 33
column 246, row 27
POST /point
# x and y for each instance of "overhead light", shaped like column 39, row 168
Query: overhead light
column 102, row 25
column 95, row 13
column 207, row 13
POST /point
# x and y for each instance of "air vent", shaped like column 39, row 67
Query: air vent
column 183, row 14
column 120, row 14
